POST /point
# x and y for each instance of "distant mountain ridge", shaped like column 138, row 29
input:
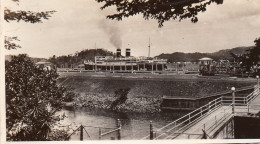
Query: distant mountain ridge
column 89, row 54
column 221, row 54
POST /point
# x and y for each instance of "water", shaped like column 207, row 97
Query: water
column 134, row 125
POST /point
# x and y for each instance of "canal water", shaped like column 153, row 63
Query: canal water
column 134, row 125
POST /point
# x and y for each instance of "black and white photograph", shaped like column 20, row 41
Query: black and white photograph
column 119, row 70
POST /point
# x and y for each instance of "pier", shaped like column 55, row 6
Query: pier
column 214, row 120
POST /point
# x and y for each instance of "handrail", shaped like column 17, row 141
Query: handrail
column 110, row 131
column 208, row 107
column 193, row 117
column 194, row 121
column 245, row 100
column 215, row 94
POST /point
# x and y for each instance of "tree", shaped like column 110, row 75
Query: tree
column 250, row 60
column 121, row 95
column 160, row 10
column 32, row 100
column 27, row 16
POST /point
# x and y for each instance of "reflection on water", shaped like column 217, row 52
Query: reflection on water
column 134, row 125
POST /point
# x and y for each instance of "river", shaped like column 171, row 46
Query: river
column 134, row 125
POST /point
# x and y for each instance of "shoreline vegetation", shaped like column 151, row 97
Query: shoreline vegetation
column 102, row 101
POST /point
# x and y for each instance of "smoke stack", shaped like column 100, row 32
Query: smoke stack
column 128, row 52
column 118, row 52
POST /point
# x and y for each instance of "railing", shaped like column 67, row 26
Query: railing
column 211, row 125
column 205, row 129
column 177, row 127
column 116, row 130
column 107, row 131
column 242, row 100
column 189, row 119
column 254, row 94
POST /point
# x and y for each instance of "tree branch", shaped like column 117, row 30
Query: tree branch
column 27, row 16
column 160, row 10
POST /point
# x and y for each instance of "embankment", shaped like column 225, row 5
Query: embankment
column 98, row 90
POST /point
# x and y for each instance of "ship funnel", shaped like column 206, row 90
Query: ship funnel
column 128, row 52
column 118, row 52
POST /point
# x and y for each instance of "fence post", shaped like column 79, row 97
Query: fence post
column 151, row 130
column 247, row 108
column 81, row 133
column 233, row 99
column 99, row 133
column 201, row 111
column 119, row 129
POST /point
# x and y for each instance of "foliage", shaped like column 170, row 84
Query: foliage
column 249, row 60
column 160, row 10
column 32, row 100
column 121, row 95
column 26, row 16
column 78, row 57
column 9, row 44
column 69, row 95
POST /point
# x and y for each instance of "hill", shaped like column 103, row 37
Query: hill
column 89, row 54
column 222, row 54
column 72, row 59
column 79, row 57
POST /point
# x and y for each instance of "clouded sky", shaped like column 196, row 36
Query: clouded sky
column 80, row 24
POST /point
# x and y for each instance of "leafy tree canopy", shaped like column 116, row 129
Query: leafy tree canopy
column 160, row 10
column 32, row 100
column 10, row 44
column 26, row 16
column 79, row 57
column 251, row 59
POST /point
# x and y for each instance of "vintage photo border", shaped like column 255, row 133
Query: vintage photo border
column 3, row 122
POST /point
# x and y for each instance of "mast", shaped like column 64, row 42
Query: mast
column 149, row 46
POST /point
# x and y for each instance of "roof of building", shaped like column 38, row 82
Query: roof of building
column 205, row 59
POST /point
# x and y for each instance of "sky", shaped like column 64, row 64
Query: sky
column 79, row 25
